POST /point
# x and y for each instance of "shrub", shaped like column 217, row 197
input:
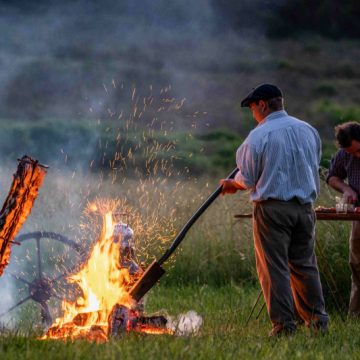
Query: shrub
column 336, row 113
column 328, row 17
column 326, row 89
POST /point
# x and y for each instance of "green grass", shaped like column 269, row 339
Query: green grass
column 213, row 273
column 224, row 334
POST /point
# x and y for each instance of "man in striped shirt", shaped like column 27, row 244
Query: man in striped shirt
column 345, row 165
column 279, row 163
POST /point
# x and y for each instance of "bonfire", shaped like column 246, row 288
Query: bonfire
column 104, row 308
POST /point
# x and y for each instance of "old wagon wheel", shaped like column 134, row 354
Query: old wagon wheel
column 43, row 287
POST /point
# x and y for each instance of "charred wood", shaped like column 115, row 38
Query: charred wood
column 120, row 320
column 18, row 204
column 94, row 333
column 156, row 321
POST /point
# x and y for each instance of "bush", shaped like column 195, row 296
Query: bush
column 329, row 18
column 326, row 89
column 336, row 113
column 328, row 150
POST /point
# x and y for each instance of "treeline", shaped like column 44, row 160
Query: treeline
column 329, row 18
column 278, row 18
column 89, row 56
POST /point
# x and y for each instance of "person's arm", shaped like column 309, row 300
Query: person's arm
column 337, row 175
column 350, row 196
column 230, row 186
column 248, row 164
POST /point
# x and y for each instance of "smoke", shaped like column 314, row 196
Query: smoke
column 56, row 56
column 6, row 301
column 185, row 324
column 60, row 62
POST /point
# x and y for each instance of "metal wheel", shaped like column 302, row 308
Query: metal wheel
column 43, row 286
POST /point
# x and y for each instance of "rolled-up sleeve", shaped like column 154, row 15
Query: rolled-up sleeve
column 247, row 161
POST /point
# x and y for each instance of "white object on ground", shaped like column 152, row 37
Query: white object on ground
column 185, row 324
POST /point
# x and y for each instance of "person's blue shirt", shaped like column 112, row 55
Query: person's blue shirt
column 280, row 160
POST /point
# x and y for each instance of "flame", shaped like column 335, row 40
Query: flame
column 148, row 329
column 103, row 285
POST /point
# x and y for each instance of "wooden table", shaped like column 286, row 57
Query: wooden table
column 350, row 216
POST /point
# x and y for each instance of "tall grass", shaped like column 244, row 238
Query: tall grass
column 216, row 252
column 213, row 273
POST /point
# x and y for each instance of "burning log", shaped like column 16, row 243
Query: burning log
column 94, row 333
column 94, row 317
column 156, row 320
column 18, row 204
column 56, row 332
column 122, row 319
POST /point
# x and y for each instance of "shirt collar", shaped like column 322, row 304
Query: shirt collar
column 275, row 115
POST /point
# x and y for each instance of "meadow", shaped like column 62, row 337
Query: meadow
column 157, row 175
column 224, row 334
column 213, row 273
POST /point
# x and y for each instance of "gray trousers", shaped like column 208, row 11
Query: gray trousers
column 354, row 260
column 284, row 237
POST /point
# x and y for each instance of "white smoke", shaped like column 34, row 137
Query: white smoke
column 6, row 301
column 185, row 324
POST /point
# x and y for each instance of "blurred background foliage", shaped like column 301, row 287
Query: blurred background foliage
column 69, row 69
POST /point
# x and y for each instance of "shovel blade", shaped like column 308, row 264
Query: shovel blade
column 150, row 277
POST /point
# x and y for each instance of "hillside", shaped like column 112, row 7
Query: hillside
column 179, row 69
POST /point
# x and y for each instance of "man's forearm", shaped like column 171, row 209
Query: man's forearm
column 338, row 184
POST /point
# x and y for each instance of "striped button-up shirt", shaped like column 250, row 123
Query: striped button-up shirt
column 280, row 160
column 346, row 166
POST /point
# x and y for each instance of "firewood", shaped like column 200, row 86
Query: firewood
column 60, row 331
column 18, row 204
column 119, row 320
column 84, row 318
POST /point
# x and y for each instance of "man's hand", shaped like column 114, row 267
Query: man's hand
column 230, row 186
column 350, row 196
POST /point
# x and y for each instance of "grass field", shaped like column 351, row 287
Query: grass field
column 213, row 273
column 223, row 334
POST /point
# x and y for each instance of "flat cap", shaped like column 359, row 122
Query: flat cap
column 261, row 92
